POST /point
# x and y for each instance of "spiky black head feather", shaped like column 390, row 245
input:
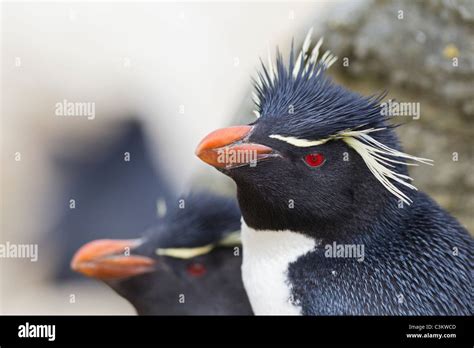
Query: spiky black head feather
column 307, row 104
column 299, row 99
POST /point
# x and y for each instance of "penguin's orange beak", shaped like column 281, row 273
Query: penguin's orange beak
column 110, row 259
column 228, row 148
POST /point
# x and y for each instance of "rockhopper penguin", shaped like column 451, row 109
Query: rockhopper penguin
column 186, row 264
column 320, row 167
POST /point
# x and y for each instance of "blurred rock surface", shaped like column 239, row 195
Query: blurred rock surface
column 419, row 51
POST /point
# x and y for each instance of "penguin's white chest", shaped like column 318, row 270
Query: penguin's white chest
column 266, row 258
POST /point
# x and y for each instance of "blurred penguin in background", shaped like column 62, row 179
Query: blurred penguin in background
column 188, row 263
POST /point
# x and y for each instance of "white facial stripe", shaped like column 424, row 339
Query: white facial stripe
column 377, row 156
column 185, row 253
column 230, row 240
column 299, row 142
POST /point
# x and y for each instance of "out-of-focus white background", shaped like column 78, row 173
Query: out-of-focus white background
column 183, row 68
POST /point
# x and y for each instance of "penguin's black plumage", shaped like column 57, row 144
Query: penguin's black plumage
column 320, row 167
column 194, row 259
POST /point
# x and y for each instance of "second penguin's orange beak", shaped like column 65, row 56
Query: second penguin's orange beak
column 110, row 259
column 228, row 148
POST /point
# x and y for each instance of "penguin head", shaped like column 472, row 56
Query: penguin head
column 188, row 251
column 315, row 146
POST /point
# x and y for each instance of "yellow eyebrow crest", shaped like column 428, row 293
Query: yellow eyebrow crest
column 299, row 142
column 378, row 157
column 231, row 239
column 185, row 253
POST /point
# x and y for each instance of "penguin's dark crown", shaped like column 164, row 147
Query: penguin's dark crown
column 195, row 222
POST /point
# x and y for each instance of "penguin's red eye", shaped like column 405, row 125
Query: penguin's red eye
column 314, row 159
column 196, row 269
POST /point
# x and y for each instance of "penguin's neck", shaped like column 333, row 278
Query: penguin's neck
column 266, row 258
column 348, row 224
